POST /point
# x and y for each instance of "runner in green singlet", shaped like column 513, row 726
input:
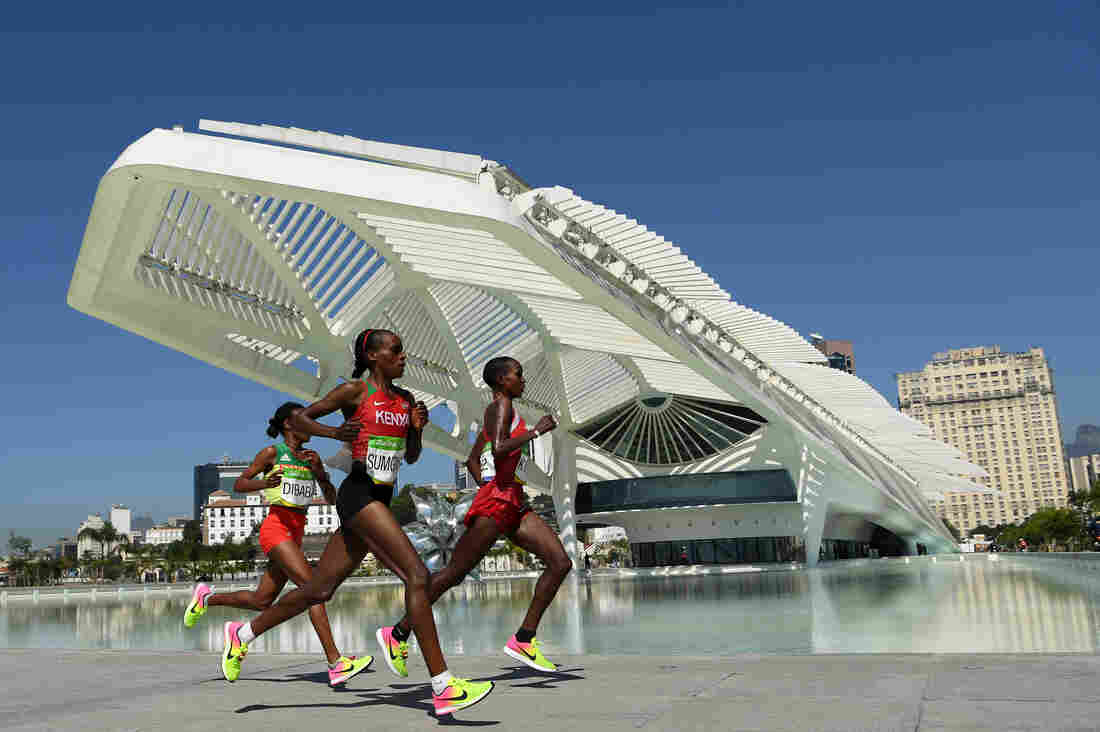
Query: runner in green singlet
column 289, row 477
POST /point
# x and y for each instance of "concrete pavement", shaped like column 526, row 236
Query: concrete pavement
column 141, row 690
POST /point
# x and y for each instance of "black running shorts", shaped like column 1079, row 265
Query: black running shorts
column 357, row 490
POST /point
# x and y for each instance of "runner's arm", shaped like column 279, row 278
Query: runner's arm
column 501, row 421
column 414, row 440
column 345, row 395
column 247, row 482
column 473, row 462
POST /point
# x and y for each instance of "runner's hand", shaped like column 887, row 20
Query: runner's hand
column 546, row 424
column 314, row 460
column 419, row 416
column 348, row 431
column 275, row 478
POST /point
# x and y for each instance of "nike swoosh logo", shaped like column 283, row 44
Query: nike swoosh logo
column 378, row 404
column 527, row 653
column 458, row 698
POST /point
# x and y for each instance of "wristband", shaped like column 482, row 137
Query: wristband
column 536, row 432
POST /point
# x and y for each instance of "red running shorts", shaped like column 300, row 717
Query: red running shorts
column 282, row 524
column 505, row 511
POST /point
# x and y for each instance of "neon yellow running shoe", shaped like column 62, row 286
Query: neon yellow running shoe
column 460, row 694
column 529, row 654
column 234, row 652
column 346, row 667
column 197, row 607
column 394, row 651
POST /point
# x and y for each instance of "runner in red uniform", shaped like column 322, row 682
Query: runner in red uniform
column 500, row 509
column 289, row 476
column 384, row 427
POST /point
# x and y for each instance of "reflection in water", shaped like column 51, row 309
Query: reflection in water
column 880, row 607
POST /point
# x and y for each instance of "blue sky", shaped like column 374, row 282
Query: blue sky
column 911, row 177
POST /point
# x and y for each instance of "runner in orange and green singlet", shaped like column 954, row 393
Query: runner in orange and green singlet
column 289, row 477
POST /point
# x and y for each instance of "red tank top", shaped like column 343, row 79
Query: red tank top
column 380, row 444
column 511, row 470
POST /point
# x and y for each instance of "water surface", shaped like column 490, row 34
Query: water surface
column 883, row 607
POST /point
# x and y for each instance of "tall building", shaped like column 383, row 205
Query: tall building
column 141, row 523
column 1000, row 410
column 215, row 477
column 1083, row 471
column 841, row 355
column 120, row 519
column 463, row 480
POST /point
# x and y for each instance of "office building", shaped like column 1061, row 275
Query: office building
column 215, row 477
column 1000, row 410
column 120, row 519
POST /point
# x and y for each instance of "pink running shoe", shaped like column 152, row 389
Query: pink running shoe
column 529, row 654
column 347, row 667
column 460, row 694
column 197, row 607
column 234, row 652
column 394, row 651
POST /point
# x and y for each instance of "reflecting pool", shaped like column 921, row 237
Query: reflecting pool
column 879, row 607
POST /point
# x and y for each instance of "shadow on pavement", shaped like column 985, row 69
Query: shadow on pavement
column 417, row 697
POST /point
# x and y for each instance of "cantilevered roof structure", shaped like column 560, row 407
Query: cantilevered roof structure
column 263, row 250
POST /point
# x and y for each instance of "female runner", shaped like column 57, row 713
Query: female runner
column 293, row 475
column 500, row 508
column 384, row 427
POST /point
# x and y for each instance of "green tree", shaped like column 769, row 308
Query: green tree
column 107, row 535
column 951, row 527
column 192, row 533
column 402, row 506
column 18, row 545
column 1054, row 526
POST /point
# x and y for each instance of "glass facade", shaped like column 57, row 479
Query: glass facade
column 705, row 489
column 741, row 550
column 841, row 549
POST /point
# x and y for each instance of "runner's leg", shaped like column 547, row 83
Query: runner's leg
column 536, row 537
column 376, row 521
column 271, row 584
column 290, row 557
column 341, row 557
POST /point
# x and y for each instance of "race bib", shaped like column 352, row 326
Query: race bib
column 297, row 491
column 521, row 466
column 384, row 457
column 488, row 468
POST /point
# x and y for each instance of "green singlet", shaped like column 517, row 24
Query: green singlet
column 298, row 487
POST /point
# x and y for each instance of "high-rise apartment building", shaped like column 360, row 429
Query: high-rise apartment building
column 1083, row 471
column 1000, row 410
column 120, row 519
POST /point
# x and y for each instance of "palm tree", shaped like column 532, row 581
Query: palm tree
column 92, row 533
column 107, row 535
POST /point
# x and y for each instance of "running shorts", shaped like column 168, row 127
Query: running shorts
column 358, row 490
column 282, row 523
column 505, row 511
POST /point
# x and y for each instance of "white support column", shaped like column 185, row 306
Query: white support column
column 813, row 526
column 564, row 482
